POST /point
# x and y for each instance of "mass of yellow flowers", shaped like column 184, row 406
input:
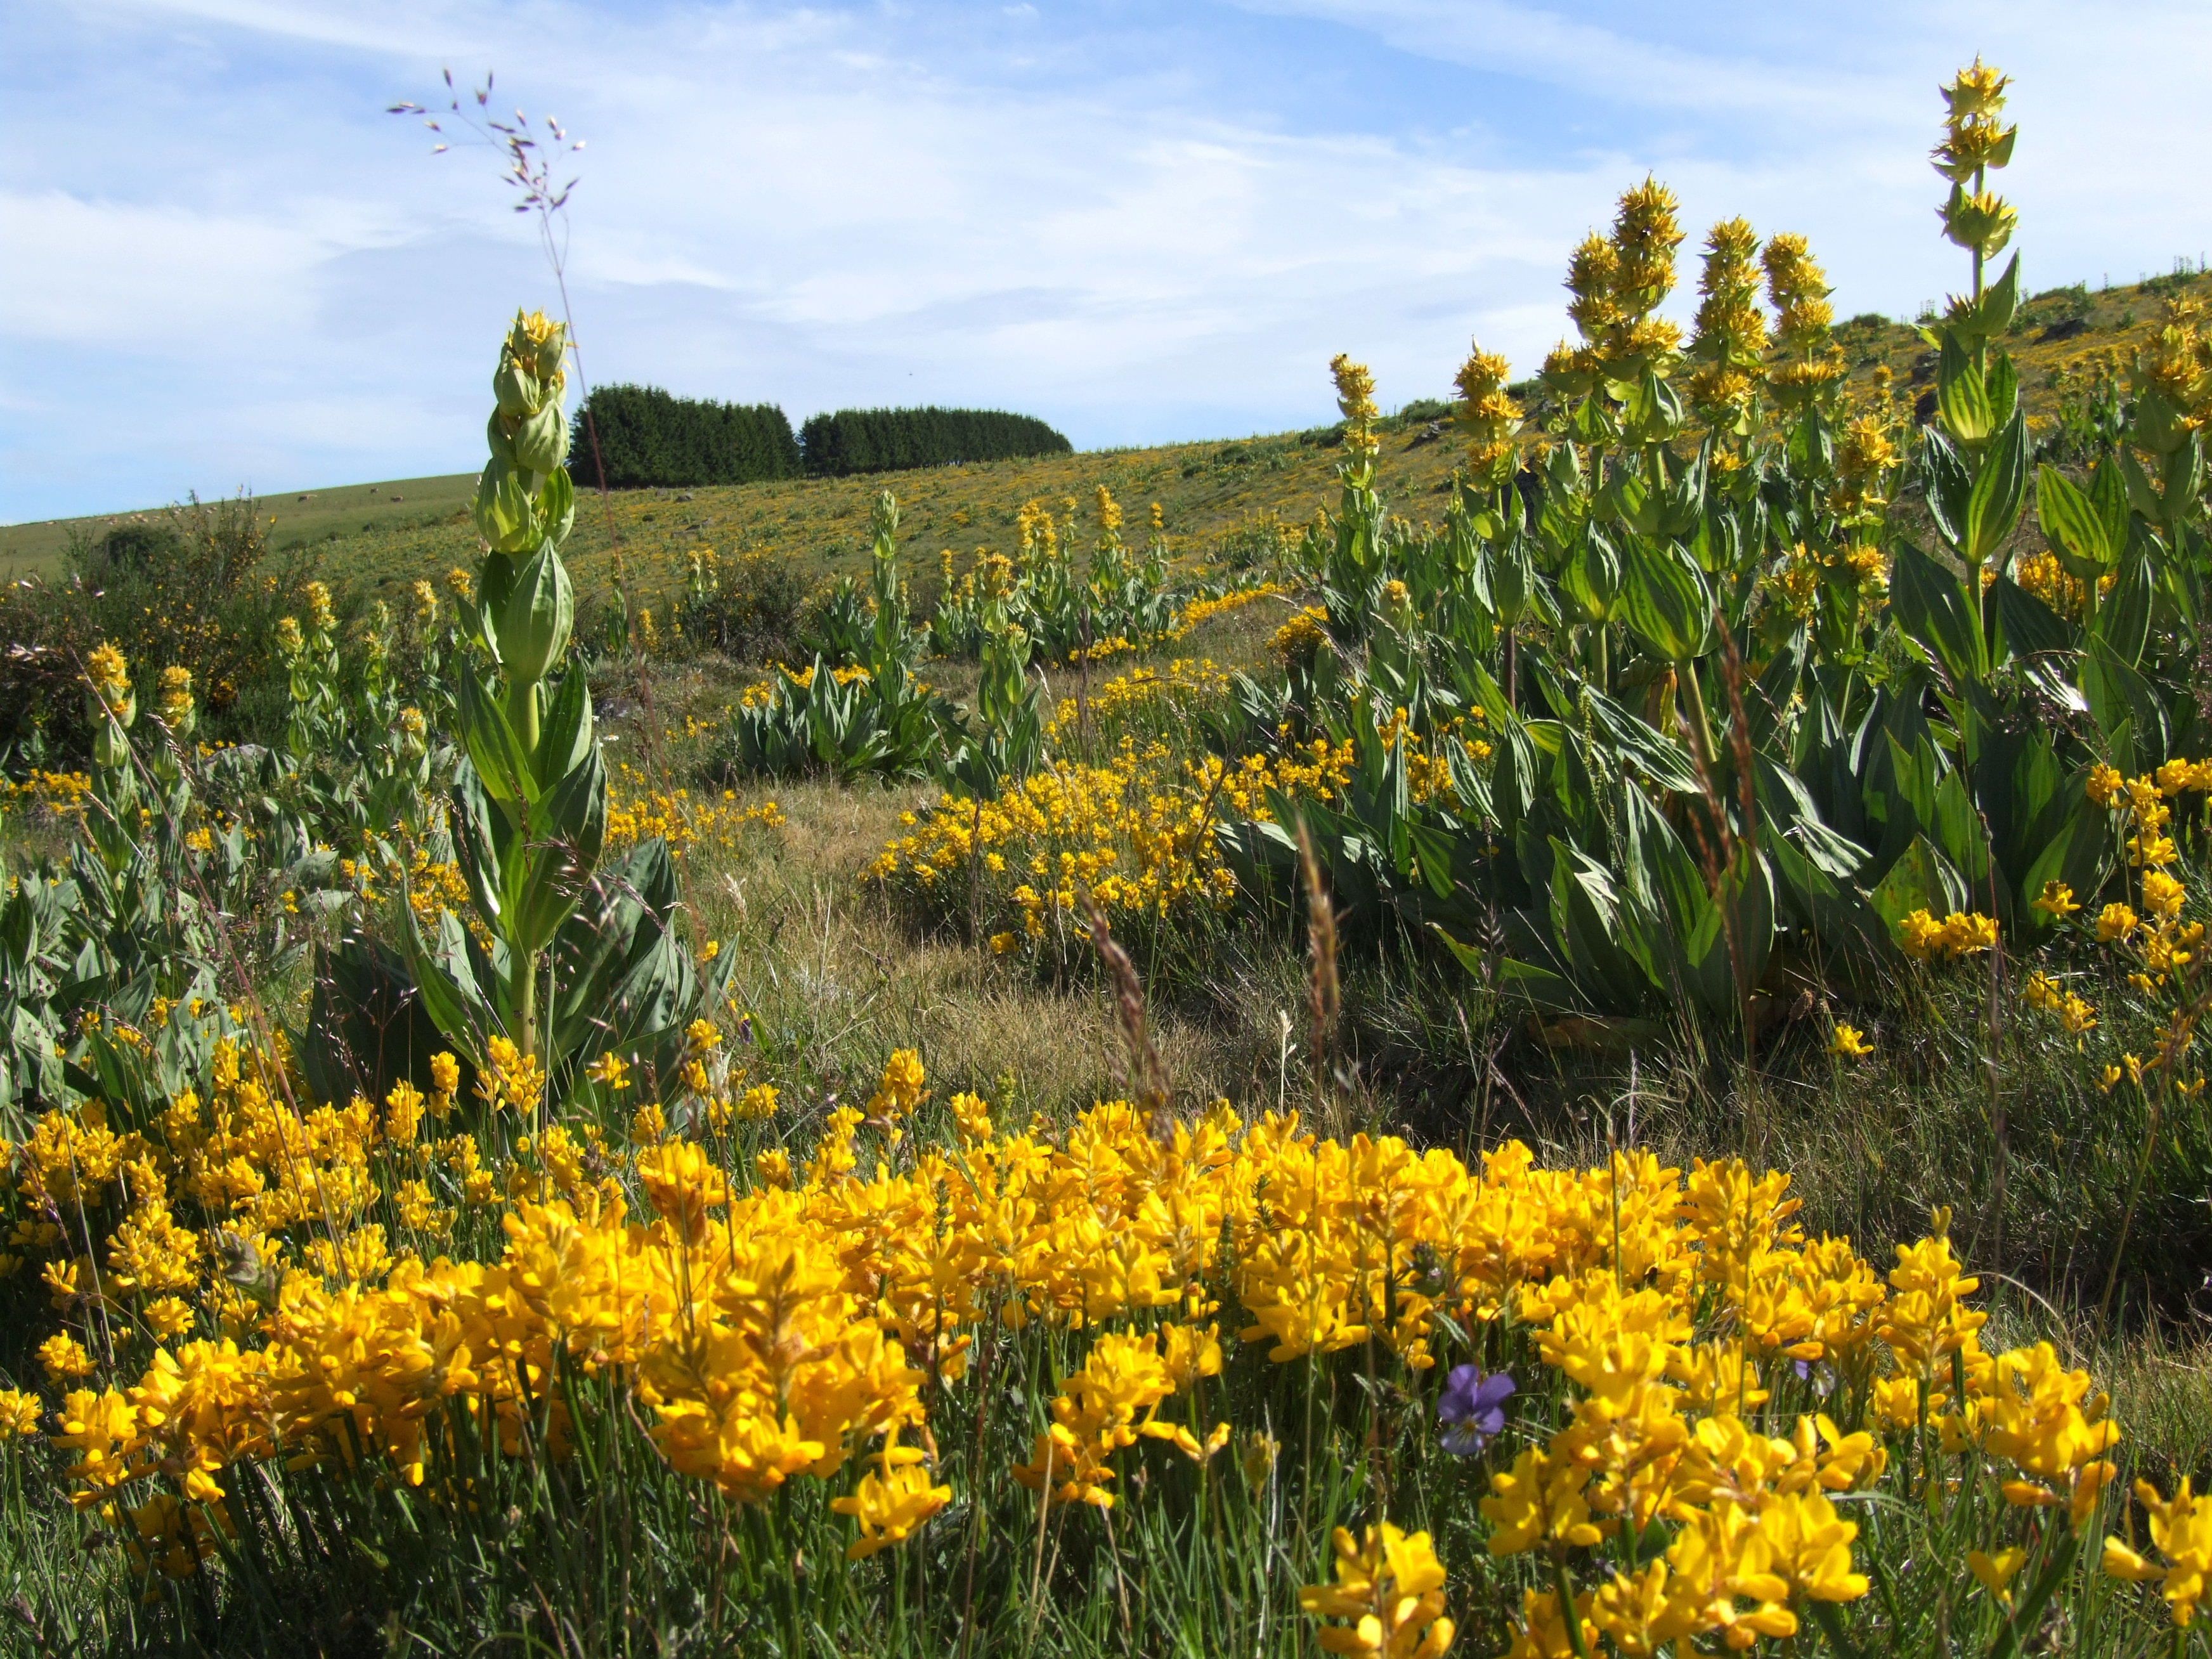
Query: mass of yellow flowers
column 1135, row 835
column 636, row 813
column 1705, row 1388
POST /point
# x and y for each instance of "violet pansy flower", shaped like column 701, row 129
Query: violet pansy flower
column 1473, row 1409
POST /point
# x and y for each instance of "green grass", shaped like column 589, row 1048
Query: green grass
column 303, row 519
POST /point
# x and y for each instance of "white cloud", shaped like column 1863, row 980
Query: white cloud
column 160, row 279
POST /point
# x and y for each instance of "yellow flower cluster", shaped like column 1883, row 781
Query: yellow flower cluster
column 1355, row 401
column 2041, row 574
column 1490, row 416
column 2181, row 1529
column 1391, row 1588
column 1136, row 836
column 758, row 693
column 1114, row 1402
column 1184, row 683
column 62, row 793
column 1859, row 572
column 1866, row 455
column 1617, row 284
column 1729, row 341
column 1297, row 640
column 246, row 1160
column 1961, row 933
column 1808, row 359
column 2073, row 1012
column 2143, row 819
column 636, row 814
column 1428, row 759
column 2178, row 364
column 1199, row 611
column 435, row 885
column 110, row 675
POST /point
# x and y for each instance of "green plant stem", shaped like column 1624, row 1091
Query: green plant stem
column 525, row 1013
column 1567, row 1612
column 2127, row 1215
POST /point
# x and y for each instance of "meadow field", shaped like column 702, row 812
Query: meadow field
column 1559, row 1023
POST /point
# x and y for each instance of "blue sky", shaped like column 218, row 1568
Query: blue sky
column 221, row 264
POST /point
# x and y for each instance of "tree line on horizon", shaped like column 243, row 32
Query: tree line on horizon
column 637, row 435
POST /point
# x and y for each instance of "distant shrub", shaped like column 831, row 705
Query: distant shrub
column 186, row 588
column 140, row 546
column 1422, row 411
column 892, row 440
column 2060, row 312
column 748, row 607
column 640, row 435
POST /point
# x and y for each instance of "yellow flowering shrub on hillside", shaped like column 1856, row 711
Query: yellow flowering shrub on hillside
column 1135, row 835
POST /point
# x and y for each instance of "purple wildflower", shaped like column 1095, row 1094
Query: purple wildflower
column 1473, row 1409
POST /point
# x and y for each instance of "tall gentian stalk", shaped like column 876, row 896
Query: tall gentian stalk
column 530, row 808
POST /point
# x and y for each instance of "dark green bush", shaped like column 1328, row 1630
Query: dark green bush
column 140, row 547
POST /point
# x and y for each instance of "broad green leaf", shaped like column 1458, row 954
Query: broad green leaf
column 2182, row 475
column 1959, row 833
column 477, row 841
column 1433, row 848
column 2003, row 382
column 1591, row 579
column 452, row 992
column 1921, row 880
column 2072, row 524
column 1659, row 757
column 1950, row 486
column 1666, row 602
column 1917, row 771
column 493, row 748
column 1961, row 398
column 2108, row 494
column 2000, row 491
column 2140, row 495
column 2122, row 621
column 2023, row 625
column 2126, row 708
column 1936, row 616
column 2076, row 855
column 1585, row 915
column 2001, row 299
column 565, row 736
column 536, row 617
column 1728, row 945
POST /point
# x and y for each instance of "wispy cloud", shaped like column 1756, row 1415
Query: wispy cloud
column 1588, row 60
column 1142, row 221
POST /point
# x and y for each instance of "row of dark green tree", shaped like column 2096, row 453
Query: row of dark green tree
column 892, row 439
column 638, row 434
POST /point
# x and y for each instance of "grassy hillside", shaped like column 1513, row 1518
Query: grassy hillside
column 302, row 518
column 1212, row 494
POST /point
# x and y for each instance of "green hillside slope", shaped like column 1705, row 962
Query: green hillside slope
column 1212, row 494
